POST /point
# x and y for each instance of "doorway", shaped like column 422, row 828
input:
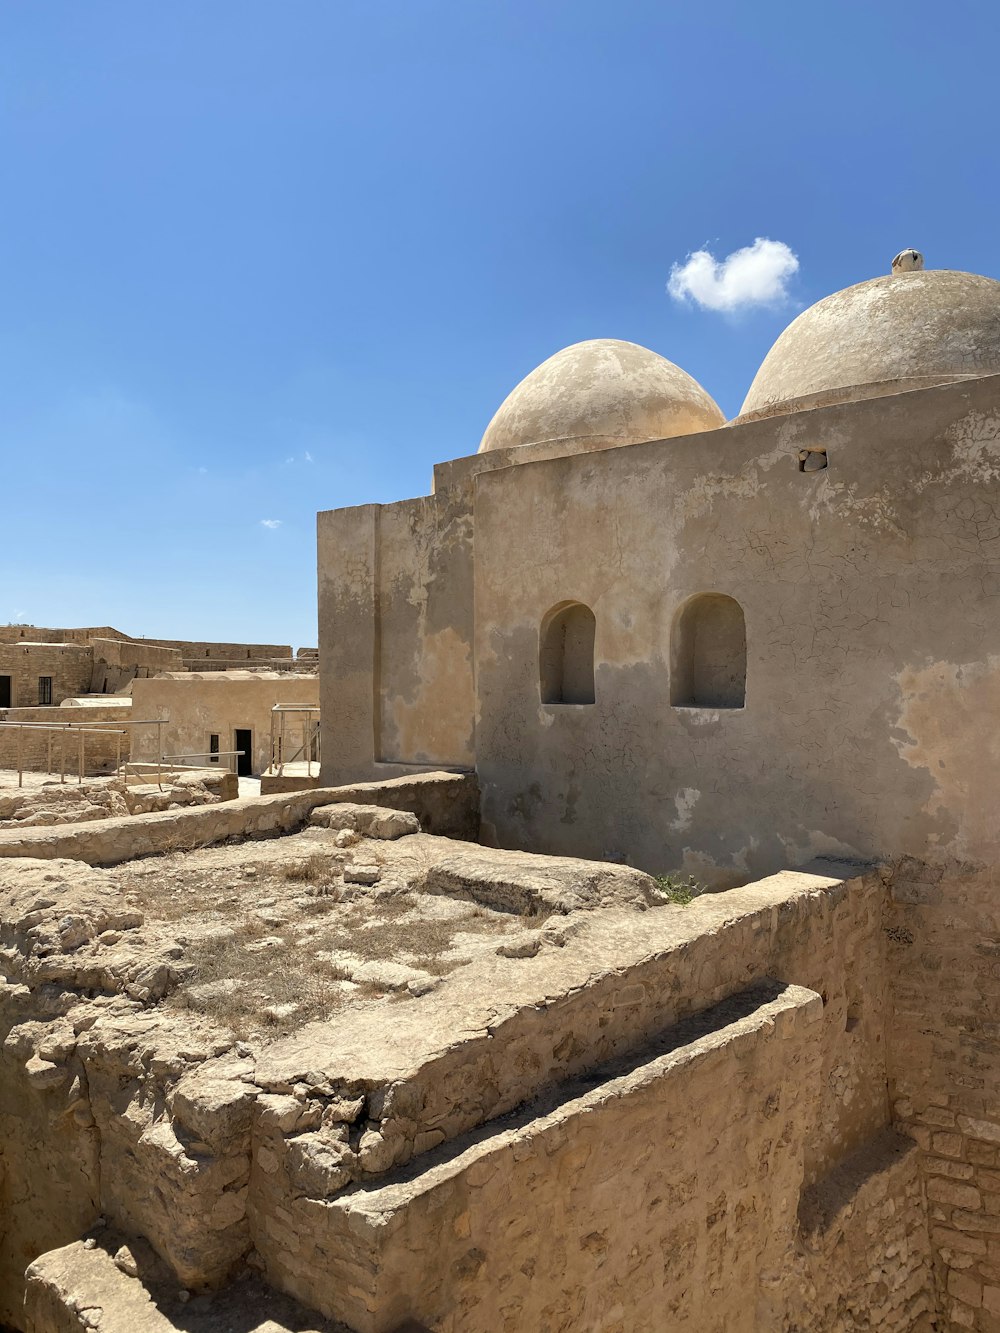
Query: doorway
column 244, row 761
column 5, row 691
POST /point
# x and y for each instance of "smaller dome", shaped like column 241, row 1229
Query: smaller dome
column 599, row 394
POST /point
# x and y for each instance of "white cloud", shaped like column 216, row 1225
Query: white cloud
column 755, row 275
column 270, row 522
column 307, row 456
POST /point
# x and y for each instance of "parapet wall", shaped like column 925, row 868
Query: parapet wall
column 233, row 652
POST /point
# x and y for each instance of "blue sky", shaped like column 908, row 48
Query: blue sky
column 259, row 259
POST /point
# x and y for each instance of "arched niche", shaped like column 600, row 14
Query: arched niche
column 566, row 654
column 709, row 654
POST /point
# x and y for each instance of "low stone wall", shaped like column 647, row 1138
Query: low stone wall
column 461, row 1246
column 445, row 804
column 271, row 783
column 70, row 1289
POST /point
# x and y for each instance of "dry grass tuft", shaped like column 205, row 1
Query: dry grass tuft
column 268, row 979
column 315, row 869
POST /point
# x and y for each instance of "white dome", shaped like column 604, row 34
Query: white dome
column 600, row 394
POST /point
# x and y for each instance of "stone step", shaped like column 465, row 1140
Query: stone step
column 474, row 1234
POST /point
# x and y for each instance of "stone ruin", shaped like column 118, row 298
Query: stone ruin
column 439, row 1044
column 346, row 1068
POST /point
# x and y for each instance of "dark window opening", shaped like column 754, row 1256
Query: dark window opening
column 213, row 748
column 5, row 691
column 44, row 689
column 709, row 656
column 566, row 655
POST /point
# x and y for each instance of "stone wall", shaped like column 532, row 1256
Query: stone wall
column 688, row 1106
column 230, row 652
column 862, row 1254
column 555, row 1018
column 285, row 665
column 676, row 1231
column 36, row 634
column 943, row 949
column 69, row 666
column 119, row 661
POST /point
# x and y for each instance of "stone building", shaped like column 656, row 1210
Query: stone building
column 42, row 669
column 213, row 715
column 686, row 644
column 39, row 667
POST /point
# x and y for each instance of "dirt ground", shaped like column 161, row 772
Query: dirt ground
column 268, row 935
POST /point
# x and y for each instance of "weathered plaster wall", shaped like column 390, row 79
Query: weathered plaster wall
column 395, row 615
column 424, row 628
column 199, row 705
column 872, row 650
column 347, row 544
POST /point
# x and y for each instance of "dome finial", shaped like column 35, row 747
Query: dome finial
column 908, row 261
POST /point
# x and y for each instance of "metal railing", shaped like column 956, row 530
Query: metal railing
column 283, row 748
column 79, row 731
column 209, row 755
